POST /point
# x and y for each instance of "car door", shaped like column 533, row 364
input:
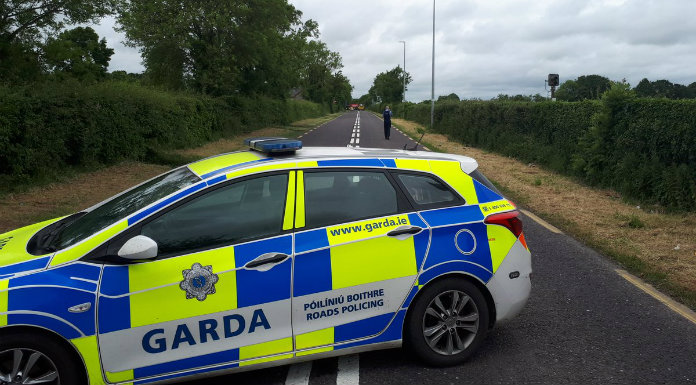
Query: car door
column 218, row 292
column 357, row 254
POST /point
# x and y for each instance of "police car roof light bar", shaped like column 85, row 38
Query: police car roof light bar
column 273, row 145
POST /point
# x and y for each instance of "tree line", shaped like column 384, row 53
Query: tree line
column 212, row 47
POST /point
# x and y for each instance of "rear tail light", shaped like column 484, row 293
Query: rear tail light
column 510, row 220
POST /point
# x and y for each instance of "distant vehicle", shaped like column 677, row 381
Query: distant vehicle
column 354, row 106
column 361, row 107
column 254, row 259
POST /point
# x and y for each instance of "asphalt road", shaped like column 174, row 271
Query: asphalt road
column 584, row 323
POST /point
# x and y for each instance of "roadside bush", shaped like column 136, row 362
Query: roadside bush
column 643, row 148
column 47, row 127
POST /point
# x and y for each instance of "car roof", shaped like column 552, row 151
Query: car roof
column 220, row 164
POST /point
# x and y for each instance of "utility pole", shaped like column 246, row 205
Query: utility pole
column 432, row 89
column 403, row 97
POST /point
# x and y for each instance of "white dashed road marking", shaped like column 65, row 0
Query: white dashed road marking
column 348, row 370
column 298, row 374
column 355, row 135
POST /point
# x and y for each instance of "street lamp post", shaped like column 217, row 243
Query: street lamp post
column 403, row 97
column 432, row 90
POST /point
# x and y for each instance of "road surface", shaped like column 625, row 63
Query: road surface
column 584, row 323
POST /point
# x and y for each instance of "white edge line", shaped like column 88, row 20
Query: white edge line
column 298, row 374
column 348, row 370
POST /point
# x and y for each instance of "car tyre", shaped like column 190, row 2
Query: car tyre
column 447, row 322
column 46, row 360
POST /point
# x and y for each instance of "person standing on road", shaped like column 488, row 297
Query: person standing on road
column 387, row 114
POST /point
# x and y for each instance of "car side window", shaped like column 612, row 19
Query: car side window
column 342, row 196
column 245, row 210
column 427, row 191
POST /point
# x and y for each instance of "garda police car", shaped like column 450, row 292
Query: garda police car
column 259, row 258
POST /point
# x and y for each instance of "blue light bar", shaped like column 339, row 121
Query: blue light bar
column 273, row 145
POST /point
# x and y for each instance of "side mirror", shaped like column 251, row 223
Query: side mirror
column 138, row 248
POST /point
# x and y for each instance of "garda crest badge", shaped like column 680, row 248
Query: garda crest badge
column 199, row 281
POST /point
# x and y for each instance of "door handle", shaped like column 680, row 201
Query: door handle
column 266, row 261
column 403, row 232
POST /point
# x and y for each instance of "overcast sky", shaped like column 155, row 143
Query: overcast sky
column 488, row 47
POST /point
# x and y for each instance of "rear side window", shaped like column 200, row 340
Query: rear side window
column 425, row 190
column 342, row 196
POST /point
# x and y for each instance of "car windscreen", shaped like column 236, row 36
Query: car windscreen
column 122, row 206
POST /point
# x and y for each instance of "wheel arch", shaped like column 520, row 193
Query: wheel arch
column 49, row 334
column 458, row 275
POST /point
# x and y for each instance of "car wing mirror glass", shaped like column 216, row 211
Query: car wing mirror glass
column 138, row 248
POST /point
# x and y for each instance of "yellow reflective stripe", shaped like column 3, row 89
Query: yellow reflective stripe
column 321, row 337
column 157, row 296
column 496, row 207
column 451, row 172
column 413, row 164
column 209, row 165
column 78, row 251
column 500, row 241
column 87, row 346
column 126, row 375
column 300, row 204
column 262, row 168
column 13, row 245
column 308, row 164
column 372, row 260
column 355, row 231
column 266, row 349
column 3, row 301
column 289, row 203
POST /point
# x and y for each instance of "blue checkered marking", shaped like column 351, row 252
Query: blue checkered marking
column 311, row 240
column 34, row 264
column 257, row 287
column 114, row 283
column 391, row 163
column 451, row 215
column 485, row 194
column 312, row 273
column 455, row 266
column 62, row 276
column 443, row 248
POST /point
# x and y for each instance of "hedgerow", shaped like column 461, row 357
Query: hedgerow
column 643, row 148
column 50, row 126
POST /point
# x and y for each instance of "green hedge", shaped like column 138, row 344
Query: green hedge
column 47, row 127
column 643, row 148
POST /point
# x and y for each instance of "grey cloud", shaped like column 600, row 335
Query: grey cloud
column 487, row 47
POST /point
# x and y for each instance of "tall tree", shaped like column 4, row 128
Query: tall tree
column 79, row 53
column 388, row 87
column 25, row 20
column 584, row 87
column 218, row 47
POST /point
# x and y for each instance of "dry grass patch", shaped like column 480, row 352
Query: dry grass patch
column 78, row 193
column 659, row 247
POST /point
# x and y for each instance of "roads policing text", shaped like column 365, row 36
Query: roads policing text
column 333, row 306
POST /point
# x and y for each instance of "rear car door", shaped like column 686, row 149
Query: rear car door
column 358, row 249
column 218, row 293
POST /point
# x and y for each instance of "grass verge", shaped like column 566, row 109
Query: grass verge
column 658, row 247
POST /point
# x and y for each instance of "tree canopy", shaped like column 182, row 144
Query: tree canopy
column 584, row 87
column 388, row 87
column 79, row 53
